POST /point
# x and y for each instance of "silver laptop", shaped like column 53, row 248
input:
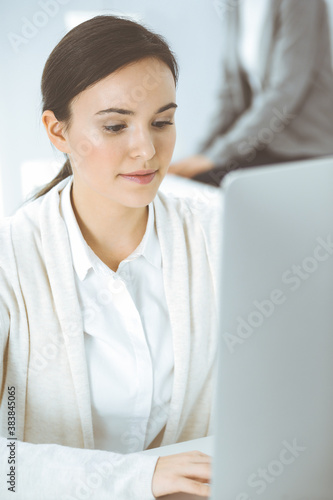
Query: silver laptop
column 274, row 421
column 274, row 412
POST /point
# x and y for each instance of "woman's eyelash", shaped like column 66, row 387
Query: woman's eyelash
column 118, row 128
column 114, row 128
column 162, row 124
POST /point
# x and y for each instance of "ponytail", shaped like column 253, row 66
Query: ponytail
column 65, row 172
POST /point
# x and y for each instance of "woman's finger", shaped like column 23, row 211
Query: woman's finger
column 194, row 487
column 188, row 472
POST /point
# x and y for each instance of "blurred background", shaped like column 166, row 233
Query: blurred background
column 29, row 32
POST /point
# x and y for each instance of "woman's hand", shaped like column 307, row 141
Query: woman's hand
column 184, row 472
column 191, row 166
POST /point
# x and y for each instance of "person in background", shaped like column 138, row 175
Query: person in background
column 276, row 102
column 108, row 288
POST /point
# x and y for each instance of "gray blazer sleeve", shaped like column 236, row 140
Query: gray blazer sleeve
column 292, row 73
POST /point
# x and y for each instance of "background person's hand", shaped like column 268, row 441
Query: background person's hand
column 191, row 166
column 182, row 473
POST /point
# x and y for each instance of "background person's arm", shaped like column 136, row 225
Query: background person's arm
column 292, row 73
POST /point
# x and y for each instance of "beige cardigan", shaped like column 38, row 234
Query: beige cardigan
column 42, row 350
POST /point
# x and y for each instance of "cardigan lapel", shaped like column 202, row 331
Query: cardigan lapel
column 61, row 275
column 175, row 271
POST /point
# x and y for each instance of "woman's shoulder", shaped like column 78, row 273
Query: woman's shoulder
column 28, row 216
column 16, row 231
column 24, row 220
column 22, row 230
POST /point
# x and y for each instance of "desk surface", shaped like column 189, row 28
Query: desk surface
column 203, row 444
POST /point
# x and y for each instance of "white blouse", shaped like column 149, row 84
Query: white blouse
column 253, row 15
column 128, row 338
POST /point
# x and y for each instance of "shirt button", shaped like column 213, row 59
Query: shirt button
column 116, row 285
column 123, row 274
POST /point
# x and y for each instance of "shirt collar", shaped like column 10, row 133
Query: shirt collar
column 83, row 256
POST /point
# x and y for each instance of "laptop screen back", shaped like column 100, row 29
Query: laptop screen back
column 274, row 419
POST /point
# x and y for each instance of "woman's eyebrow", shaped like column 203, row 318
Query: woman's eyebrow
column 122, row 111
column 166, row 107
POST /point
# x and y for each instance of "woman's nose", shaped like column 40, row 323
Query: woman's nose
column 142, row 145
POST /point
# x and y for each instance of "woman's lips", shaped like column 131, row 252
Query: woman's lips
column 140, row 177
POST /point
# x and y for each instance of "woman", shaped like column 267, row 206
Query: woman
column 275, row 103
column 107, row 288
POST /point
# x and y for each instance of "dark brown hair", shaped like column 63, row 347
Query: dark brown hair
column 89, row 53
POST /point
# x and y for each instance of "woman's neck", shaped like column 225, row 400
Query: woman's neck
column 112, row 231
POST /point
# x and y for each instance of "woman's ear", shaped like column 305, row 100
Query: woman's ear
column 55, row 131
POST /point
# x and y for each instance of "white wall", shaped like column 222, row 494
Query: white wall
column 192, row 27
